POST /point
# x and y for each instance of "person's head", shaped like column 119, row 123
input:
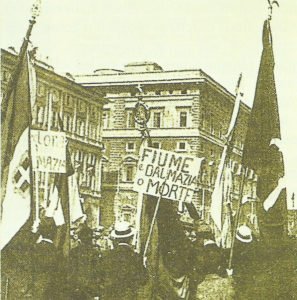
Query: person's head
column 213, row 258
column 47, row 228
column 244, row 234
column 85, row 235
column 122, row 233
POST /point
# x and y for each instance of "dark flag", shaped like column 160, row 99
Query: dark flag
column 260, row 152
column 170, row 256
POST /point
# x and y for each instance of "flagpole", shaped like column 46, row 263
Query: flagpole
column 151, row 229
column 236, row 221
column 35, row 13
column 49, row 119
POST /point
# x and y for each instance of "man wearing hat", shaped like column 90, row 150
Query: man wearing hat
column 245, row 264
column 83, row 264
column 45, row 261
column 122, row 271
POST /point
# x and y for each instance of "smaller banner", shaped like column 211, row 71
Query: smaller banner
column 48, row 151
column 168, row 174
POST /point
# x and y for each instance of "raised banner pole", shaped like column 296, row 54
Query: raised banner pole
column 49, row 121
column 236, row 221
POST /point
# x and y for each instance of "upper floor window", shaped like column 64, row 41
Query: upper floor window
column 157, row 119
column 55, row 119
column 93, row 112
column 80, row 127
column 156, row 145
column 82, row 106
column 106, row 118
column 212, row 127
column 203, row 119
column 79, row 155
column 40, row 114
column 130, row 121
column 129, row 172
column 181, row 146
column 92, row 131
column 130, row 146
column 68, row 100
column 67, row 122
column 212, row 153
column 40, row 89
column 183, row 117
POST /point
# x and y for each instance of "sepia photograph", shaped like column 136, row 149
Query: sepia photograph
column 148, row 150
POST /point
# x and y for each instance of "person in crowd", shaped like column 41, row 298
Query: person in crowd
column 215, row 284
column 83, row 263
column 122, row 270
column 244, row 263
column 45, row 257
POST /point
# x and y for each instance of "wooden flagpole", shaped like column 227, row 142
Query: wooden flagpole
column 236, row 221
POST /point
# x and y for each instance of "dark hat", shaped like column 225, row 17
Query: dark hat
column 47, row 227
column 85, row 233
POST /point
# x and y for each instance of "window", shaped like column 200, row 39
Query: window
column 211, row 153
column 79, row 156
column 183, row 115
column 202, row 147
column 80, row 127
column 157, row 120
column 40, row 90
column 156, row 145
column 130, row 121
column 130, row 147
column 55, row 119
column 203, row 117
column 106, row 117
column 93, row 112
column 82, row 106
column 92, row 131
column 212, row 128
column 68, row 100
column 181, row 146
column 40, row 114
column 67, row 122
column 129, row 173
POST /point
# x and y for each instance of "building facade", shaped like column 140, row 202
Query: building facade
column 80, row 111
column 189, row 113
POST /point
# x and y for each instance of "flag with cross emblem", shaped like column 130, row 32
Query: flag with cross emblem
column 15, row 157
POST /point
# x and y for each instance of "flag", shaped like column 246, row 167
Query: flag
column 217, row 194
column 16, row 173
column 76, row 211
column 260, row 152
column 54, row 209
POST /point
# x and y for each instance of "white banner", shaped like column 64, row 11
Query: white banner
column 172, row 175
column 48, row 151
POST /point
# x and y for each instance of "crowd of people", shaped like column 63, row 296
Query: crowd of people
column 105, row 265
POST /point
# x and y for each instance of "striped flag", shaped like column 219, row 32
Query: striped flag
column 16, row 174
column 217, row 194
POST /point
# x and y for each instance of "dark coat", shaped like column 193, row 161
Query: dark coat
column 45, row 269
column 84, row 261
column 122, row 272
